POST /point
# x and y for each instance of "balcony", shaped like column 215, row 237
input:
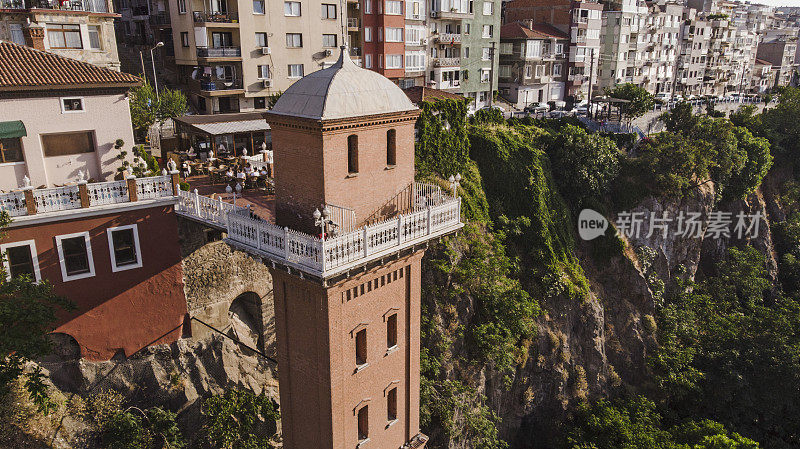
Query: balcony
column 219, row 52
column 352, row 24
column 433, row 214
column 449, row 38
column 160, row 19
column 447, row 62
column 83, row 195
column 215, row 17
column 453, row 14
column 99, row 6
column 221, row 85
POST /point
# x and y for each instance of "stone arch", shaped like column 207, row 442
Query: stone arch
column 246, row 320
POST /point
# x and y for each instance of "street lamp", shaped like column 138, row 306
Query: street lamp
column 152, row 59
column 455, row 182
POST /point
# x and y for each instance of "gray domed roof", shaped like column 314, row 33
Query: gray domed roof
column 341, row 91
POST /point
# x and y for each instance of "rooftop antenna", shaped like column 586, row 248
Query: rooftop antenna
column 342, row 11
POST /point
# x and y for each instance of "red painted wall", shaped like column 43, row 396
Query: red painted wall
column 381, row 48
column 127, row 310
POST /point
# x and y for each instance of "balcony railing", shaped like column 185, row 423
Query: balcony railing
column 161, row 18
column 446, row 62
column 449, row 38
column 211, row 86
column 219, row 52
column 84, row 195
column 72, row 5
column 215, row 17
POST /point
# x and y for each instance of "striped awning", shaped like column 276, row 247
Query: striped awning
column 12, row 129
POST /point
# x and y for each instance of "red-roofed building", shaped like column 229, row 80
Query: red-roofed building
column 533, row 63
column 59, row 117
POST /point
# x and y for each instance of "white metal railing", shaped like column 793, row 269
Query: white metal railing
column 56, row 199
column 434, row 213
column 153, row 187
column 214, row 211
column 13, row 203
column 112, row 192
column 343, row 218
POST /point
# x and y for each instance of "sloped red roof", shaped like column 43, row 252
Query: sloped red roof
column 518, row 30
column 24, row 68
column 418, row 94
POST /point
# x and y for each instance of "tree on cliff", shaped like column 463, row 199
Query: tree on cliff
column 27, row 313
column 640, row 101
column 147, row 108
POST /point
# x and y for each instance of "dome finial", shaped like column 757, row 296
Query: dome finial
column 344, row 57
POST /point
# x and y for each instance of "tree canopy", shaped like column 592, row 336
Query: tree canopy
column 640, row 100
column 147, row 108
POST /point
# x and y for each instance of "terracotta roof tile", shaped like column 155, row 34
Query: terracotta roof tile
column 418, row 94
column 518, row 30
column 24, row 68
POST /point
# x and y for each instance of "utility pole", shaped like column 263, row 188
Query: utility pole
column 591, row 72
column 491, row 76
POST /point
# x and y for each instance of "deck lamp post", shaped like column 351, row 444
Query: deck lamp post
column 455, row 182
column 322, row 219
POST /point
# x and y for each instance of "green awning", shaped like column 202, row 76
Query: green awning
column 12, row 129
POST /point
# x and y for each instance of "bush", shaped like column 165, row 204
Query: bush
column 240, row 419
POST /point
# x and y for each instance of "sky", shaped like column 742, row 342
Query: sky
column 778, row 2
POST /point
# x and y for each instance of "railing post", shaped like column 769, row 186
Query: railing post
column 133, row 196
column 196, row 203
column 366, row 243
column 400, row 229
column 83, row 191
column 286, row 250
column 176, row 181
column 429, row 221
column 30, row 202
column 223, row 217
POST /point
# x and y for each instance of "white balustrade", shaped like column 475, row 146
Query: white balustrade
column 153, row 187
column 56, row 199
column 13, row 203
column 112, row 192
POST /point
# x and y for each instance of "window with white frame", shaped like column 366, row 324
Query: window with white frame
column 488, row 8
column 394, row 34
column 75, row 256
column 17, row 35
column 528, row 71
column 294, row 40
column 94, row 37
column 261, row 40
column 506, row 48
column 415, row 61
column 263, row 72
column 295, row 70
column 415, row 9
column 560, row 48
column 291, row 9
column 394, row 8
column 539, row 70
column 72, row 105
column 259, row 7
column 414, row 34
column 556, row 69
column 21, row 259
column 367, row 34
column 505, row 71
column 123, row 245
column 394, row 61
column 328, row 11
column 182, row 6
column 485, row 75
column 488, row 31
column 367, row 6
column 486, row 54
column 368, row 61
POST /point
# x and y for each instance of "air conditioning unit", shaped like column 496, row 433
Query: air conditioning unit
column 267, row 83
column 266, row 51
column 434, row 14
column 328, row 53
column 424, row 41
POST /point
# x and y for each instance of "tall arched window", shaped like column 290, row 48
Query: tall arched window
column 352, row 154
column 391, row 147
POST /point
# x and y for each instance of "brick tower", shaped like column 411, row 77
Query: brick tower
column 347, row 309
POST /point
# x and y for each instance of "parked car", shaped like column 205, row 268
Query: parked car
column 537, row 108
column 664, row 97
column 581, row 109
column 557, row 114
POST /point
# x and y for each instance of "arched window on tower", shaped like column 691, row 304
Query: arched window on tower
column 391, row 147
column 352, row 153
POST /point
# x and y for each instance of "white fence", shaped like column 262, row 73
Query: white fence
column 14, row 204
column 212, row 211
column 56, row 199
column 112, row 192
column 153, row 187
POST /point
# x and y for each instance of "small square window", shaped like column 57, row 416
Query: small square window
column 259, row 103
column 258, row 7
column 123, row 244
column 71, row 105
column 75, row 256
column 295, row 70
column 291, row 9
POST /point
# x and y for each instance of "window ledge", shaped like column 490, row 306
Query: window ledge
column 391, row 350
column 5, row 164
column 352, row 175
column 391, row 423
column 362, row 442
column 360, row 368
column 390, row 167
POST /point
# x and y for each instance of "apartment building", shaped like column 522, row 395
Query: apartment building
column 694, row 45
column 81, row 29
column 582, row 21
column 763, row 79
column 232, row 54
column 780, row 51
column 532, row 63
column 465, row 35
